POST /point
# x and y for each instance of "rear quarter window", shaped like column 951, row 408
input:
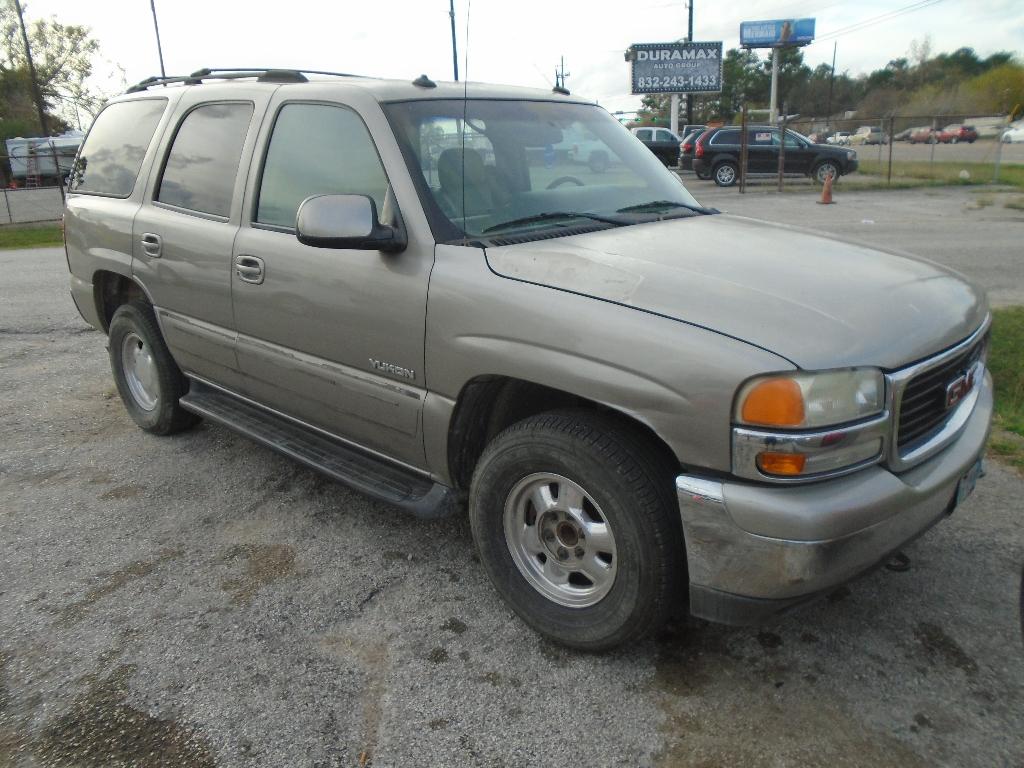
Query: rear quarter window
column 113, row 152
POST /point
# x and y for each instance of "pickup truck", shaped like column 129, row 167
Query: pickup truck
column 662, row 142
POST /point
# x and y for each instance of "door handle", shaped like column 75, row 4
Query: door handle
column 151, row 245
column 249, row 269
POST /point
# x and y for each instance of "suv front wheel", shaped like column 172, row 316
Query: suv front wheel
column 725, row 173
column 823, row 170
column 576, row 522
column 146, row 375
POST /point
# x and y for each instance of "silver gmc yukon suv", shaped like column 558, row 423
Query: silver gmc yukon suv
column 422, row 291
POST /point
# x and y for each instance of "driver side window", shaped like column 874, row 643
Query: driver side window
column 317, row 149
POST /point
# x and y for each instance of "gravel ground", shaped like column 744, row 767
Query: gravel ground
column 201, row 601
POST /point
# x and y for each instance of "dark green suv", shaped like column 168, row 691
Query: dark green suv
column 717, row 155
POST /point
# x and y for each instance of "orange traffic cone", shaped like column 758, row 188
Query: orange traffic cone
column 826, row 191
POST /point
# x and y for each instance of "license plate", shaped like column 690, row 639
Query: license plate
column 967, row 483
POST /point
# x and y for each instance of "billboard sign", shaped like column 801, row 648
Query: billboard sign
column 777, row 33
column 676, row 67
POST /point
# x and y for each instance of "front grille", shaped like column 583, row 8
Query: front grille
column 923, row 406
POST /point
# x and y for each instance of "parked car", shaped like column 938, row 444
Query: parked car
column 717, row 154
column 640, row 401
column 868, row 134
column 819, row 137
column 686, row 148
column 953, row 134
column 841, row 138
column 1013, row 135
column 924, row 135
column 904, row 135
column 662, row 142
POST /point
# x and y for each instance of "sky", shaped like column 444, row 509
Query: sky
column 515, row 42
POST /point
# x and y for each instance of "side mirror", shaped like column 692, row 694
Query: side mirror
column 346, row 221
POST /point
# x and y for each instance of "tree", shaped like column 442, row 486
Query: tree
column 63, row 55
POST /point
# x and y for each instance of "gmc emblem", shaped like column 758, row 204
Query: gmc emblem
column 959, row 388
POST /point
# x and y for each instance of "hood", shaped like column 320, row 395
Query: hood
column 818, row 302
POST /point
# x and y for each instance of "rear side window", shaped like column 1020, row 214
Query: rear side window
column 644, row 134
column 731, row 136
column 201, row 167
column 110, row 160
column 317, row 149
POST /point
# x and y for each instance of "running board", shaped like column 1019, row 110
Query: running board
column 358, row 469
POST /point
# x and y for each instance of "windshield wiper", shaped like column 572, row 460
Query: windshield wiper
column 548, row 215
column 654, row 206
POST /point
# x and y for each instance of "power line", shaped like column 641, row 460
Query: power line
column 858, row 26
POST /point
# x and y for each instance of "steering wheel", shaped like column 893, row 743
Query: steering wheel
column 564, row 180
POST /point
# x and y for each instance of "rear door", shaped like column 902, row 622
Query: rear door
column 186, row 227
column 762, row 150
column 332, row 337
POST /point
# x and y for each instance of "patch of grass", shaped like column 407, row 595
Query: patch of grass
column 1016, row 204
column 30, row 237
column 1006, row 362
column 946, row 172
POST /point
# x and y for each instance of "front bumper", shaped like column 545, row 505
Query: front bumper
column 813, row 537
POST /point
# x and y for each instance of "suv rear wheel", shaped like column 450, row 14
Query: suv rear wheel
column 146, row 375
column 576, row 523
column 725, row 173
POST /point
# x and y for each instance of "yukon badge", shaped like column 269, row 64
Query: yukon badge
column 394, row 370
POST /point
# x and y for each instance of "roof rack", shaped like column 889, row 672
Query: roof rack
column 236, row 73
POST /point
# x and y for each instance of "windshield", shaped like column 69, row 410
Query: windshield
column 515, row 167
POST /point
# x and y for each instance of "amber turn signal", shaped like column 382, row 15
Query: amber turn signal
column 774, row 402
column 781, row 463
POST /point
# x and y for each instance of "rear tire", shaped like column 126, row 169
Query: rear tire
column 725, row 173
column 148, row 380
column 576, row 521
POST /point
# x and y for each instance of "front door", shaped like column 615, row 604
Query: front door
column 332, row 337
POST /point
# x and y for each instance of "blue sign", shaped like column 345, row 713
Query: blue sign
column 777, row 33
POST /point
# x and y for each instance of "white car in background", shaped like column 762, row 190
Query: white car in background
column 839, row 137
column 1014, row 135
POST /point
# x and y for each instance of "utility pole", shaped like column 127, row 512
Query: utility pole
column 455, row 54
column 159, row 48
column 831, row 82
column 36, row 93
column 689, row 37
column 773, row 114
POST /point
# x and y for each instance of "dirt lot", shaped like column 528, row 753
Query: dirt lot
column 202, row 601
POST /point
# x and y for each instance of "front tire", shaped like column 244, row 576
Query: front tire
column 148, row 380
column 576, row 522
column 725, row 174
column 822, row 171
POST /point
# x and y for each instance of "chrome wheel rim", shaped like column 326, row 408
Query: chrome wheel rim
column 825, row 171
column 726, row 174
column 139, row 370
column 560, row 540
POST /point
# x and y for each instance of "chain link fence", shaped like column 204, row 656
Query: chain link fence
column 33, row 177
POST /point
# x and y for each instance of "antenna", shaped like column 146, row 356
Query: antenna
column 465, row 110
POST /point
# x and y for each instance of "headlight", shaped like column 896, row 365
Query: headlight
column 851, row 155
column 805, row 425
column 810, row 400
